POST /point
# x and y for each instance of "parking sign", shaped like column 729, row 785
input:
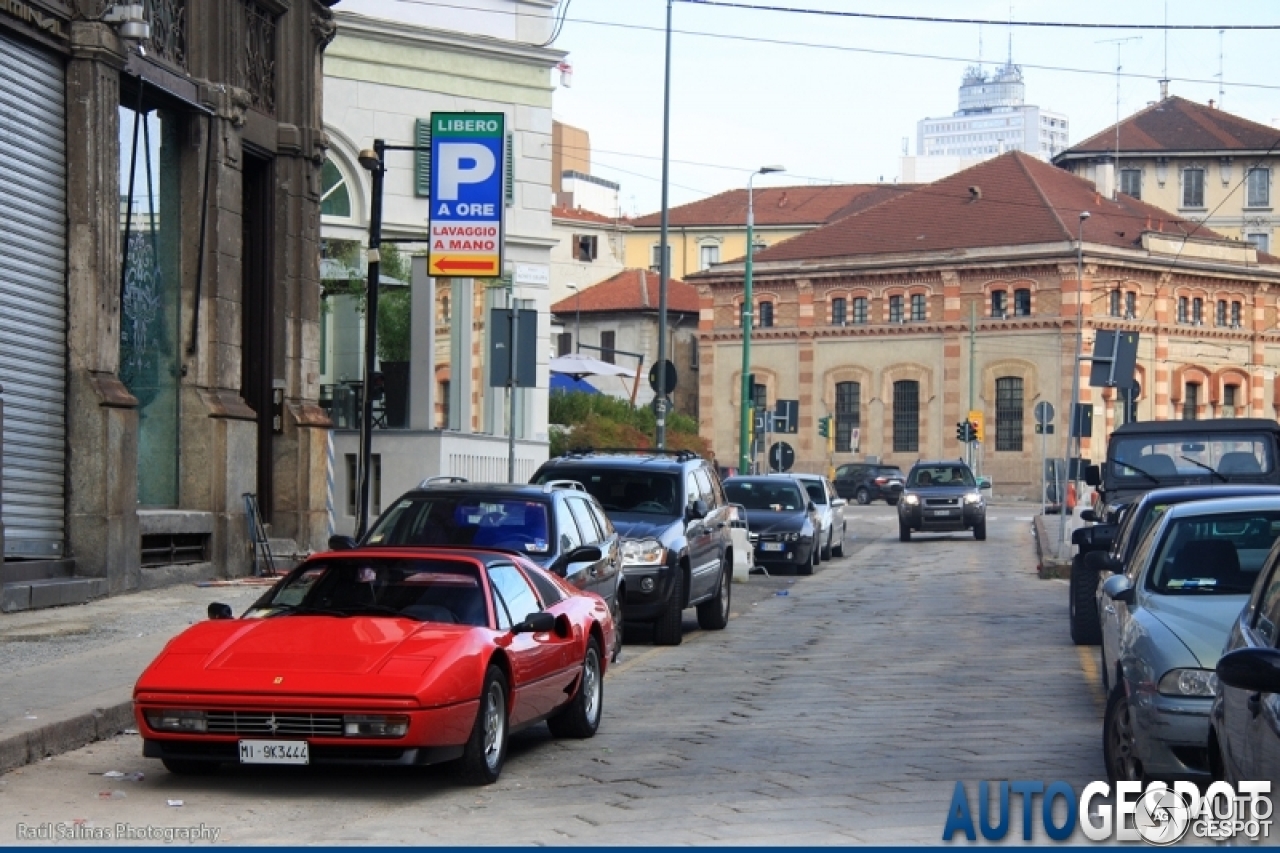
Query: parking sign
column 467, row 172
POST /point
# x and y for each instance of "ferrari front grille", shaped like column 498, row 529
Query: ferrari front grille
column 267, row 724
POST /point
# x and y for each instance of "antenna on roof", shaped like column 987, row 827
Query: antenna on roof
column 1119, row 43
column 979, row 46
column 1219, row 75
column 1009, row 61
column 1164, row 78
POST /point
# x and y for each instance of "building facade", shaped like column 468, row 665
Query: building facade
column 159, row 289
column 588, row 250
column 714, row 230
column 1197, row 162
column 993, row 118
column 388, row 69
column 968, row 295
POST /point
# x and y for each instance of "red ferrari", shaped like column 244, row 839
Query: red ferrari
column 381, row 656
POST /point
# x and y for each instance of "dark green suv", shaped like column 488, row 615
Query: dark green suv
column 670, row 509
column 941, row 497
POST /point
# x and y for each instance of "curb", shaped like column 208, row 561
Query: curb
column 65, row 735
column 1047, row 568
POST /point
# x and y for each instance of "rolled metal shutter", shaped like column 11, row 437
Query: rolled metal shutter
column 33, row 303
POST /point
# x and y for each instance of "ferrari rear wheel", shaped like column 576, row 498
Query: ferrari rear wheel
column 486, row 749
column 581, row 717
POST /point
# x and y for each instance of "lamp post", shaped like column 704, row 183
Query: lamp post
column 1072, row 426
column 577, row 318
column 373, row 161
column 664, row 250
column 744, row 442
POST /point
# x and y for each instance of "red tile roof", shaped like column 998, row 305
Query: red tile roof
column 1010, row 200
column 809, row 205
column 1176, row 124
column 630, row 290
column 581, row 215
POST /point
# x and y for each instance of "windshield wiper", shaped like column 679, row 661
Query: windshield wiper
column 1152, row 477
column 351, row 609
column 1211, row 470
column 303, row 610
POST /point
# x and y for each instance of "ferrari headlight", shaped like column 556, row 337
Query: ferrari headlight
column 1188, row 682
column 172, row 720
column 643, row 552
column 375, row 725
column 972, row 498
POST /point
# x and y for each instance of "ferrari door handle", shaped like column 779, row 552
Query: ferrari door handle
column 1255, row 704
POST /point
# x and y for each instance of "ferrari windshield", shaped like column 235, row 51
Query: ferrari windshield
column 427, row 590
column 1217, row 554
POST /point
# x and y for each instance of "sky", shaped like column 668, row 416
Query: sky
column 835, row 99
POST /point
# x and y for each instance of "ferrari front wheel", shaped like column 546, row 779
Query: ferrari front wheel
column 486, row 749
column 581, row 717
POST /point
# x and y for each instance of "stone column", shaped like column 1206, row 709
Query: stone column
column 102, row 419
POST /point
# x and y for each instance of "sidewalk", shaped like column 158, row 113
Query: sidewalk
column 1053, row 558
column 67, row 673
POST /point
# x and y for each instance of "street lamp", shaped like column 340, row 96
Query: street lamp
column 577, row 320
column 372, row 160
column 1072, row 426
column 744, row 449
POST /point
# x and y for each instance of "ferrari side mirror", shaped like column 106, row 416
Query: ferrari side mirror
column 218, row 610
column 535, row 623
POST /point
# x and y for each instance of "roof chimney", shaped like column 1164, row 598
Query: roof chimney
column 1211, row 106
column 1164, row 89
column 644, row 289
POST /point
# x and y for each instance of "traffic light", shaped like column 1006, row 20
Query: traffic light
column 975, row 419
column 962, row 432
column 824, row 427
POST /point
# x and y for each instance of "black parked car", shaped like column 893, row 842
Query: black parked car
column 558, row 526
column 865, row 482
column 782, row 519
column 940, row 497
column 1244, row 723
column 1124, row 534
column 670, row 509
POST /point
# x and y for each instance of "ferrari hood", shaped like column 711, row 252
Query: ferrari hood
column 1201, row 622
column 313, row 654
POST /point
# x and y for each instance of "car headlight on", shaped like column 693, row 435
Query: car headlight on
column 910, row 500
column 375, row 725
column 173, row 720
column 1188, row 682
column 973, row 499
column 643, row 552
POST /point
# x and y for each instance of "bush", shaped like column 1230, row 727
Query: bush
column 598, row 420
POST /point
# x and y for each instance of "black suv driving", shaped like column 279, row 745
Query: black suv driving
column 557, row 525
column 670, row 509
column 865, row 482
column 941, row 496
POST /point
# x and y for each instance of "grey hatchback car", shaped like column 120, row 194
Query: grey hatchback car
column 941, row 497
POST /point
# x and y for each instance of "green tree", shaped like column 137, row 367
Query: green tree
column 598, row 420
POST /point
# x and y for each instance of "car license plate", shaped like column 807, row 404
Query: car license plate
column 274, row 752
column 942, row 512
column 772, row 546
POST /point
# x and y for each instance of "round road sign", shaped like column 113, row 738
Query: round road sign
column 1044, row 412
column 670, row 376
column 781, row 456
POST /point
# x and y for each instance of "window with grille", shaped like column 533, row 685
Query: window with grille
column 860, row 310
column 1235, row 315
column 1229, row 401
column 1220, row 316
column 997, row 304
column 1022, row 302
column 1193, row 187
column 895, row 309
column 1131, row 182
column 1182, row 309
column 1190, row 400
column 766, row 314
column 848, row 414
column 838, row 311
column 906, row 415
column 608, row 340
column 1114, row 305
column 1259, row 187
column 1009, row 407
column 1197, row 311
column 564, row 343
column 917, row 307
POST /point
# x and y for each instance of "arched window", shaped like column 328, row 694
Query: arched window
column 917, row 308
column 335, row 196
column 1009, row 410
column 906, row 416
column 848, row 414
